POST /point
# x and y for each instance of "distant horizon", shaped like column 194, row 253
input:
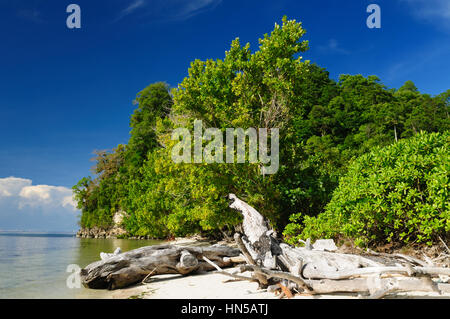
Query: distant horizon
column 16, row 231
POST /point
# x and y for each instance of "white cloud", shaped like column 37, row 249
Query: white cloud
column 24, row 206
column 68, row 201
column 166, row 10
column 132, row 7
column 52, row 196
column 19, row 193
column 187, row 9
column 12, row 186
column 434, row 11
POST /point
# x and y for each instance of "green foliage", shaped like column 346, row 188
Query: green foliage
column 397, row 193
column 154, row 103
column 100, row 197
column 324, row 125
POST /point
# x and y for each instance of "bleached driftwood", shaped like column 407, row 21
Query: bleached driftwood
column 317, row 269
column 125, row 269
column 258, row 236
column 221, row 271
column 372, row 285
column 314, row 269
column 105, row 256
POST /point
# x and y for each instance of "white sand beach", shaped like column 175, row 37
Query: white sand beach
column 213, row 285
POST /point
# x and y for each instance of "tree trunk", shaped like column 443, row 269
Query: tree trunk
column 258, row 238
column 125, row 269
column 315, row 270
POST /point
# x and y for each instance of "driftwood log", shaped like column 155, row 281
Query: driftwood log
column 124, row 269
column 318, row 269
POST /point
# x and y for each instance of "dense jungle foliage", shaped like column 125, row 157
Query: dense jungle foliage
column 356, row 158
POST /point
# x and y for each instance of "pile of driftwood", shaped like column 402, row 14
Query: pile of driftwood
column 313, row 269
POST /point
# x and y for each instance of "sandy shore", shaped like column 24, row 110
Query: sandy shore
column 199, row 286
column 212, row 285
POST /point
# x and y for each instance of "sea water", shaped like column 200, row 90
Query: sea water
column 35, row 265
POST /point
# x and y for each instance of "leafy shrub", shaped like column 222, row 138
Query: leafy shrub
column 396, row 193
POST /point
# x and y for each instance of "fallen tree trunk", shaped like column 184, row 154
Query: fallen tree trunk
column 317, row 269
column 314, row 269
column 258, row 237
column 372, row 285
column 124, row 269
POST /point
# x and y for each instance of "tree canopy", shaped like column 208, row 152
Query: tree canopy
column 324, row 124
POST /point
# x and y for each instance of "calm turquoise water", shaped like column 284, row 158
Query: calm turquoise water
column 35, row 265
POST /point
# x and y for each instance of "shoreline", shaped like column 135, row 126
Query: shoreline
column 213, row 285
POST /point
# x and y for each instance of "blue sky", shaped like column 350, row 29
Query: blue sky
column 64, row 93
